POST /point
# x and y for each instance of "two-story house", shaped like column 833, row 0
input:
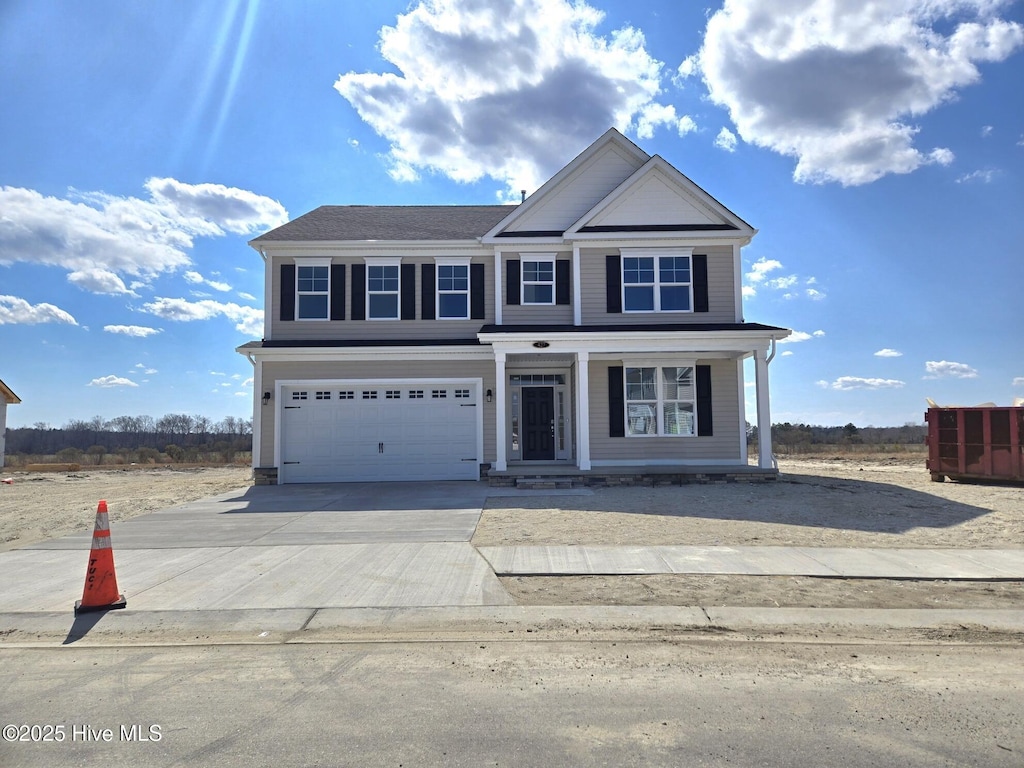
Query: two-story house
column 597, row 325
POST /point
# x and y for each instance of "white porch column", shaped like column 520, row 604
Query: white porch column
column 583, row 410
column 499, row 295
column 500, row 385
column 257, row 412
column 764, row 419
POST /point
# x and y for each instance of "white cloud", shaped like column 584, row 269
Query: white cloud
column 946, row 369
column 246, row 296
column 758, row 276
column 787, row 353
column 1018, row 381
column 726, row 140
column 15, row 311
column 986, row 131
column 794, row 337
column 847, row 383
column 833, row 83
column 814, row 294
column 139, row 331
column 197, row 279
column 100, row 238
column 248, row 320
column 749, row 291
column 982, row 176
column 819, row 334
column 781, row 283
column 760, row 269
column 481, row 88
column 888, row 353
column 112, row 381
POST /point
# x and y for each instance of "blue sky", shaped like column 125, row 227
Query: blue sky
column 878, row 148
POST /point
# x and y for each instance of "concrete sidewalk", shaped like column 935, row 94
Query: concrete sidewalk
column 360, row 558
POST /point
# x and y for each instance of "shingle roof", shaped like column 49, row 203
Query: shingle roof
column 391, row 222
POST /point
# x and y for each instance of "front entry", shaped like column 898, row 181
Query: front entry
column 538, row 423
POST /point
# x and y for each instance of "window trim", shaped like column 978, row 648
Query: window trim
column 660, row 401
column 539, row 258
column 452, row 261
column 657, row 285
column 312, row 262
column 389, row 261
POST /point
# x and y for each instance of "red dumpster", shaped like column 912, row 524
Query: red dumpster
column 975, row 443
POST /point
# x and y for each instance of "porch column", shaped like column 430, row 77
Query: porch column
column 764, row 419
column 583, row 410
column 500, row 383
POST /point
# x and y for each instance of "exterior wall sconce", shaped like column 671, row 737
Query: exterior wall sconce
column 490, row 395
column 266, row 398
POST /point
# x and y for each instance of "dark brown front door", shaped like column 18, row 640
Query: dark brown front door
column 538, row 423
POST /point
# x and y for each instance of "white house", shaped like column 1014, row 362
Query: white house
column 7, row 397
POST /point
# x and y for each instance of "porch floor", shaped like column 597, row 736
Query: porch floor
column 541, row 475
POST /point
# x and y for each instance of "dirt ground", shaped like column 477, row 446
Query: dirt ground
column 823, row 502
column 43, row 505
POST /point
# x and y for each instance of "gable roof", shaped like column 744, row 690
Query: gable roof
column 658, row 198
column 389, row 222
column 8, row 396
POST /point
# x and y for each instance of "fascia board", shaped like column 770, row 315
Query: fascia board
column 360, row 354
column 702, row 237
column 630, row 341
column 609, row 136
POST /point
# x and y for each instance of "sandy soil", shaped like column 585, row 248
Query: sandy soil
column 44, row 505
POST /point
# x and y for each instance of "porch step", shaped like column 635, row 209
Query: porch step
column 543, row 483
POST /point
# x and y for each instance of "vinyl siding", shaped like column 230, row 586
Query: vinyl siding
column 384, row 369
column 579, row 193
column 721, row 287
column 380, row 329
column 655, row 201
column 537, row 314
column 722, row 446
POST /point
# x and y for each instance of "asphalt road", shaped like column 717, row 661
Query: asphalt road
column 702, row 701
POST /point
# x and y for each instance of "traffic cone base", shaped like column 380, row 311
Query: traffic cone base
column 100, row 592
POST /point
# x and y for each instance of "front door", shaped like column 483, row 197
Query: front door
column 538, row 423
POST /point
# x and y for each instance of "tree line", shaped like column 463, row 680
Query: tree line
column 796, row 438
column 181, row 436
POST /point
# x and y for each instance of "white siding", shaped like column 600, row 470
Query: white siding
column 655, row 201
column 722, row 446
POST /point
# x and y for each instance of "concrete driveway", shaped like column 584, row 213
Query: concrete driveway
column 270, row 547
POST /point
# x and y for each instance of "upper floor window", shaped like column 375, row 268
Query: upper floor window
column 652, row 283
column 661, row 401
column 312, row 288
column 382, row 290
column 538, row 282
column 453, row 289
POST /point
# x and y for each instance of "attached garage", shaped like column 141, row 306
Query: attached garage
column 379, row 430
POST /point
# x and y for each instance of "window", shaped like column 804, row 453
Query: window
column 370, row 394
column 661, row 401
column 453, row 291
column 312, row 288
column 415, row 394
column 346, row 394
column 461, row 394
column 300, row 395
column 323, row 395
column 392, row 394
column 439, row 394
column 538, row 282
column 382, row 283
column 657, row 283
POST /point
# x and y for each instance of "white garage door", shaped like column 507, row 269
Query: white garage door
column 379, row 430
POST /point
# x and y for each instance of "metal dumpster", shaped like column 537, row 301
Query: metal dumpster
column 975, row 443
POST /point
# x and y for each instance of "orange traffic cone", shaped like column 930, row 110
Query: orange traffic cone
column 100, row 593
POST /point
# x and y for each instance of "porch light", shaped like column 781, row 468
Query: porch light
column 266, row 398
column 490, row 395
column 541, row 344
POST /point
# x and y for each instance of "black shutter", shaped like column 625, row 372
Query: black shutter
column 287, row 291
column 358, row 291
column 700, row 283
column 476, row 291
column 704, row 424
column 408, row 291
column 616, row 403
column 427, row 292
column 563, row 281
column 613, row 281
column 512, row 290
column 337, row 291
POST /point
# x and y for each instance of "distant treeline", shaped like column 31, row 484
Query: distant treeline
column 174, row 433
column 805, row 437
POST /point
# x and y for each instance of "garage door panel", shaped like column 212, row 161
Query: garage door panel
column 368, row 431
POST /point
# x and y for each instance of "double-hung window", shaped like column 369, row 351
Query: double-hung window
column 453, row 289
column 657, row 282
column 538, row 281
column 382, row 289
column 312, row 288
column 661, row 400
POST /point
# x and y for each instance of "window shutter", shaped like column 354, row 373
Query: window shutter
column 476, row 292
column 613, row 279
column 616, row 403
column 408, row 291
column 427, row 292
column 358, row 291
column 700, row 283
column 704, row 425
column 513, row 291
column 287, row 291
column 337, row 291
column 563, row 281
